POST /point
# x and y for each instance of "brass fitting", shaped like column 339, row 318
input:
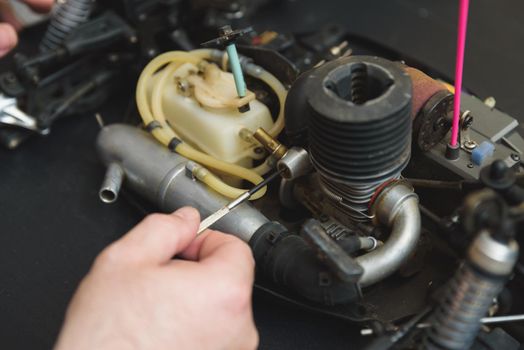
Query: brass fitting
column 275, row 148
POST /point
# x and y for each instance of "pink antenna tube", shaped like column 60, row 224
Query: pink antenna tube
column 459, row 68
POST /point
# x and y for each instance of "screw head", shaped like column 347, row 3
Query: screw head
column 470, row 145
column 490, row 102
column 515, row 157
column 184, row 87
column 470, row 165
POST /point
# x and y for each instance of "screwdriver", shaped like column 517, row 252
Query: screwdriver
column 220, row 213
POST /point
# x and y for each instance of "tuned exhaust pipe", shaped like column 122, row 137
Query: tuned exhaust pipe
column 160, row 176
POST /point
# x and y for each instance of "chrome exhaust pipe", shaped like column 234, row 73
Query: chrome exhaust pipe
column 396, row 207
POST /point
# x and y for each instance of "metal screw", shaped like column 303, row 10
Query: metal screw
column 183, row 85
column 490, row 102
column 515, row 157
column 470, row 165
column 470, row 145
column 336, row 50
column 184, row 88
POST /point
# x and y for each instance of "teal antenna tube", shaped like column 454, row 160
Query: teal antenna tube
column 236, row 68
column 227, row 39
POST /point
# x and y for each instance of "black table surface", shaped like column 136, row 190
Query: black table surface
column 52, row 224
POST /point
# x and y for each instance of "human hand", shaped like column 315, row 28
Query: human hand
column 137, row 297
column 10, row 24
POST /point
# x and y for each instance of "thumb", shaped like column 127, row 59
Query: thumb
column 157, row 239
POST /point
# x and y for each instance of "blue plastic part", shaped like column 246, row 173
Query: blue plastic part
column 482, row 152
column 234, row 63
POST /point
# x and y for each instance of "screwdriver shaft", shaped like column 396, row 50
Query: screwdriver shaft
column 220, row 213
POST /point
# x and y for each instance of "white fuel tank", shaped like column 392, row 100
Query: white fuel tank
column 201, row 105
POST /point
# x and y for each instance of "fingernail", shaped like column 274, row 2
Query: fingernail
column 188, row 213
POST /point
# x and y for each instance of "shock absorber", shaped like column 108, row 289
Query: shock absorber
column 489, row 262
column 67, row 15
